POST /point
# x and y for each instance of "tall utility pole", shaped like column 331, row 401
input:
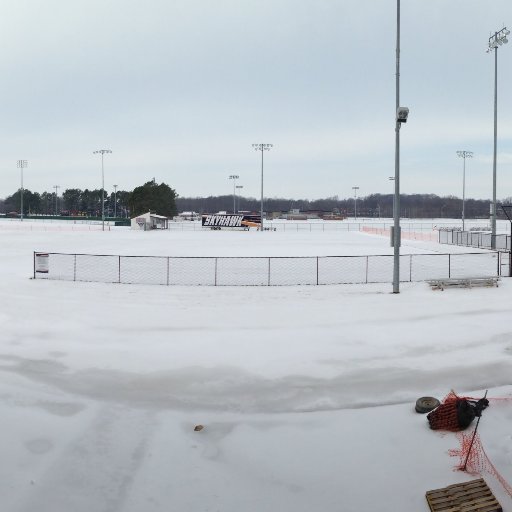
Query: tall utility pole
column 402, row 114
column 496, row 40
column 262, row 148
column 56, row 187
column 239, row 187
column 103, row 152
column 464, row 155
column 234, row 177
column 355, row 189
column 21, row 165
column 115, row 201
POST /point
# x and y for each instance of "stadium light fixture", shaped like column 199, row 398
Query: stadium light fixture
column 234, row 177
column 102, row 152
column 21, row 165
column 355, row 189
column 495, row 40
column 262, row 148
column 464, row 154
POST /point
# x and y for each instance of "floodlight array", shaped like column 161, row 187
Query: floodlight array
column 497, row 39
column 262, row 147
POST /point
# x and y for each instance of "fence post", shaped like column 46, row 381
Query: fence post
column 119, row 270
column 268, row 277
column 449, row 266
column 168, row 264
column 34, row 264
column 215, row 271
column 410, row 268
column 366, row 278
column 317, row 270
column 74, row 268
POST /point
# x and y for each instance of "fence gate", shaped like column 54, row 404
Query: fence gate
column 504, row 264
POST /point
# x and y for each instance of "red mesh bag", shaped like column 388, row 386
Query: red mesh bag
column 445, row 417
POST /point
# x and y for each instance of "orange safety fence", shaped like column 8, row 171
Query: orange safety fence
column 406, row 235
column 471, row 454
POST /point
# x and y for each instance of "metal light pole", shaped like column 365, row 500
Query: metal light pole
column 401, row 117
column 239, row 187
column 355, row 189
column 392, row 179
column 21, row 165
column 464, row 154
column 234, row 177
column 497, row 39
column 115, row 201
column 56, row 187
column 262, row 148
column 102, row 152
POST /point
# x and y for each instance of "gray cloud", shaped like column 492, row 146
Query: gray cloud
column 179, row 90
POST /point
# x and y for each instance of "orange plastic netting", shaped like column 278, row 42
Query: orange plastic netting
column 471, row 453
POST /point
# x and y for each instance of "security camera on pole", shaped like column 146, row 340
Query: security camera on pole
column 402, row 113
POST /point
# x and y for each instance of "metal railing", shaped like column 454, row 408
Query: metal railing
column 260, row 271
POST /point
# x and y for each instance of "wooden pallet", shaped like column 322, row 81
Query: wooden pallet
column 473, row 496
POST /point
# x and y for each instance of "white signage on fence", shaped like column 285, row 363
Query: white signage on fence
column 42, row 262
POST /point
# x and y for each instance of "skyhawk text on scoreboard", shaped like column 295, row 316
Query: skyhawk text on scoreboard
column 222, row 220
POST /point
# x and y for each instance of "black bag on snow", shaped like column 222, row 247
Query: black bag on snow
column 465, row 413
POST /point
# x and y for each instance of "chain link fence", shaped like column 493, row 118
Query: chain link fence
column 480, row 239
column 334, row 225
column 261, row 271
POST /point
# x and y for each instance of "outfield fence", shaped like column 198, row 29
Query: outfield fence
column 480, row 239
column 261, row 271
column 336, row 225
column 406, row 235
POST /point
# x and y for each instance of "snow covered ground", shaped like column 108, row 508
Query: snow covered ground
column 306, row 394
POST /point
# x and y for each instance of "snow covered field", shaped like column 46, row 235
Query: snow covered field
column 306, row 394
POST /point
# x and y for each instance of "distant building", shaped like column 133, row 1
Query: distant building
column 188, row 216
column 149, row 221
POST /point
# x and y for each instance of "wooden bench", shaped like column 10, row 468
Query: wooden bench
column 463, row 282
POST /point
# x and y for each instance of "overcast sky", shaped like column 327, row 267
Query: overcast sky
column 179, row 90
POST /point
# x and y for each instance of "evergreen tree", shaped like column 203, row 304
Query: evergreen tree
column 159, row 199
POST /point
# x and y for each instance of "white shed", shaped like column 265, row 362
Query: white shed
column 150, row 221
